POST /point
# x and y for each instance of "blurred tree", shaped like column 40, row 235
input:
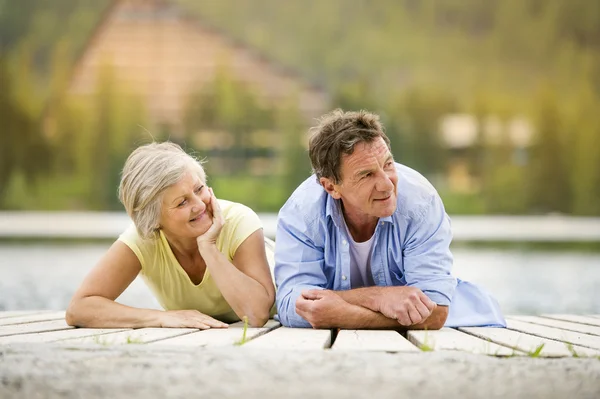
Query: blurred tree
column 549, row 183
column 117, row 121
column 418, row 112
column 292, row 129
column 24, row 150
column 584, row 131
column 226, row 106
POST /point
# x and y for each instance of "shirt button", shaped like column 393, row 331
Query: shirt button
column 381, row 223
column 344, row 277
column 344, row 242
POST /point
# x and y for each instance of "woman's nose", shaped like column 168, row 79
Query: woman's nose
column 199, row 203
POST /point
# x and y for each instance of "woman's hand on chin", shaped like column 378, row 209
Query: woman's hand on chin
column 189, row 319
column 210, row 237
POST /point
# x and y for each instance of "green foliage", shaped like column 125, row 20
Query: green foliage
column 410, row 61
column 243, row 340
column 537, row 351
column 265, row 194
column 549, row 180
column 24, row 150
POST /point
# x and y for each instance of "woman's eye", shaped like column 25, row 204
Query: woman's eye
column 182, row 203
column 199, row 189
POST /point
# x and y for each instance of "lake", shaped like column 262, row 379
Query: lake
column 45, row 275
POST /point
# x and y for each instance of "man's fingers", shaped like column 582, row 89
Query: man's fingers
column 302, row 303
column 403, row 318
column 312, row 294
column 422, row 309
column 415, row 316
column 428, row 302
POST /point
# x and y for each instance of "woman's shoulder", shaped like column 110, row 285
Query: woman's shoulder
column 240, row 223
column 133, row 240
column 235, row 210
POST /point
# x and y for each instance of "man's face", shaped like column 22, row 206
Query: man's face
column 369, row 182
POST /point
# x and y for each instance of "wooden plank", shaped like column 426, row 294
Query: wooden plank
column 32, row 318
column 451, row 339
column 28, row 328
column 372, row 340
column 219, row 336
column 570, row 337
column 526, row 342
column 139, row 336
column 54, row 336
column 17, row 313
column 293, row 338
column 563, row 325
column 574, row 319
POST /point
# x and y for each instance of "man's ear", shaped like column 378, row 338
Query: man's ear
column 330, row 187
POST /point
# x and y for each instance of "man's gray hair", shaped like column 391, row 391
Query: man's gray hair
column 148, row 171
column 336, row 135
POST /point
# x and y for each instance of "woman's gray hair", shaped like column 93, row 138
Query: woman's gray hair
column 148, row 171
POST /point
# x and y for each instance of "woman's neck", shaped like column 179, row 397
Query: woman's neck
column 184, row 247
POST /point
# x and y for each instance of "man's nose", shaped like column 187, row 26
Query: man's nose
column 385, row 183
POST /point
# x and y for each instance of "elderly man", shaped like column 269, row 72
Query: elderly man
column 364, row 242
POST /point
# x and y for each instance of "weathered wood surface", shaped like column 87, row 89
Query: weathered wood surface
column 553, row 335
column 563, row 325
column 372, row 340
column 574, row 318
column 219, row 337
column 293, row 338
column 452, row 339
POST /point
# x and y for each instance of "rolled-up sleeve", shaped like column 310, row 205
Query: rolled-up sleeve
column 298, row 265
column 427, row 257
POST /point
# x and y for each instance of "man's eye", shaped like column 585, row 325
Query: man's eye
column 182, row 203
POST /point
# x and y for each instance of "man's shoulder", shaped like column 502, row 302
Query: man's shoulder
column 414, row 191
column 308, row 201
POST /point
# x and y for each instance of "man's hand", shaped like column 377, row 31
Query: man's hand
column 408, row 305
column 321, row 308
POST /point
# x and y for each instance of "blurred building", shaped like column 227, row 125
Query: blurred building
column 465, row 137
column 163, row 53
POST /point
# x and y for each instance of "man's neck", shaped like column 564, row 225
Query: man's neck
column 361, row 228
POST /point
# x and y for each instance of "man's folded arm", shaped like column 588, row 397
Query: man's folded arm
column 298, row 266
column 427, row 256
column 371, row 298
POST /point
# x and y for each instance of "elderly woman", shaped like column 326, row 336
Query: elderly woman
column 203, row 258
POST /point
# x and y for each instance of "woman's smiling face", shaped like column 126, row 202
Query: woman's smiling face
column 185, row 208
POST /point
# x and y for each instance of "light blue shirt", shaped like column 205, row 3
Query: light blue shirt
column 411, row 249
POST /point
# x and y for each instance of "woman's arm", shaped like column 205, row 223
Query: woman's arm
column 93, row 304
column 245, row 282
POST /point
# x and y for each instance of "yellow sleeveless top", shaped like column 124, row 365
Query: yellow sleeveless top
column 170, row 283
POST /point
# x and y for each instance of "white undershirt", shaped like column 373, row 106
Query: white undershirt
column 360, row 261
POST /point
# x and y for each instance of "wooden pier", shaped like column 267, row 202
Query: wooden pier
column 547, row 356
column 553, row 335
